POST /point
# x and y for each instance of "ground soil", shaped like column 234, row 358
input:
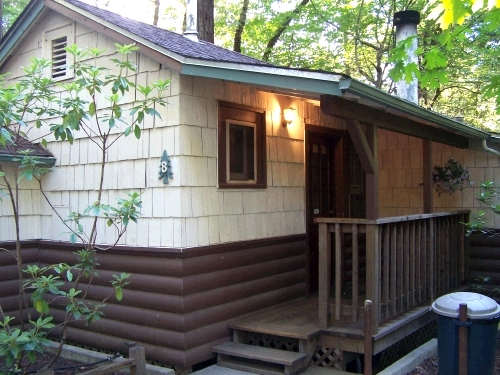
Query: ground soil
column 430, row 365
column 61, row 367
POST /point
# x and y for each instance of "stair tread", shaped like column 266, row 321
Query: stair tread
column 249, row 367
column 281, row 357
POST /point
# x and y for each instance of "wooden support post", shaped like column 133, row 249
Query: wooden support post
column 462, row 340
column 338, row 271
column 368, row 343
column 139, row 366
column 373, row 272
column 325, row 269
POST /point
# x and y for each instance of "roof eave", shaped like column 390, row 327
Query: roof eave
column 47, row 160
column 273, row 78
column 353, row 87
column 16, row 32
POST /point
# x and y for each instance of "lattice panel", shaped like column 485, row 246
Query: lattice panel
column 273, row 342
column 397, row 351
column 328, row 357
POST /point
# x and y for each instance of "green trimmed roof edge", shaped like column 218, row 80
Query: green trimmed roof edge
column 48, row 161
column 16, row 31
column 374, row 94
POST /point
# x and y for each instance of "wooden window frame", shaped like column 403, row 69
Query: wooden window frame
column 231, row 113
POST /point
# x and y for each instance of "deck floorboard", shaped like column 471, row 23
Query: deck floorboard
column 300, row 320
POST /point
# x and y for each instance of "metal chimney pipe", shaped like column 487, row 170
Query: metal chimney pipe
column 406, row 23
column 191, row 31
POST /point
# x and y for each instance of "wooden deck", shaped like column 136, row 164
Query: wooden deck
column 299, row 320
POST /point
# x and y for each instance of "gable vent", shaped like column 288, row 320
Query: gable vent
column 59, row 57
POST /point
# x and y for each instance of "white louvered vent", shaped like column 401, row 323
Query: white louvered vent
column 59, row 57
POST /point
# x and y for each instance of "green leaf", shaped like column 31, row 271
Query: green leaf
column 92, row 108
column 119, row 293
column 137, row 132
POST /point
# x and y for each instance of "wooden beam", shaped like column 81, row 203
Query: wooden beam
column 361, row 144
column 347, row 109
column 372, row 202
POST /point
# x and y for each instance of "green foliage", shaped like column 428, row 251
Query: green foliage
column 450, row 177
column 10, row 11
column 14, row 342
column 484, row 285
column 67, row 117
column 489, row 197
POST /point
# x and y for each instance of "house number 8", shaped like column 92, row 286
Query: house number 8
column 165, row 168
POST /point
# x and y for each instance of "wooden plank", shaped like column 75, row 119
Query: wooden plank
column 117, row 365
column 400, row 269
column 368, row 342
column 256, row 368
column 346, row 109
column 361, row 145
column 254, row 352
column 324, row 273
column 394, row 266
column 386, row 270
column 371, row 179
column 418, row 262
column 373, row 250
column 138, row 354
column 355, row 272
column 413, row 261
column 406, row 265
column 432, row 256
column 388, row 220
column 338, row 271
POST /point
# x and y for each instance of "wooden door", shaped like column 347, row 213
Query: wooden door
column 326, row 188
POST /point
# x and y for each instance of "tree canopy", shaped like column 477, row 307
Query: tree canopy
column 458, row 50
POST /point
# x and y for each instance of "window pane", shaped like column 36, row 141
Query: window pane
column 241, row 152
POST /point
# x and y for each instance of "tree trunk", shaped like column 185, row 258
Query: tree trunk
column 157, row 12
column 206, row 20
column 241, row 25
column 272, row 42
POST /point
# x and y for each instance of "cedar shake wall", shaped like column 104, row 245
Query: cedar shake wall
column 179, row 302
column 400, row 175
column 191, row 210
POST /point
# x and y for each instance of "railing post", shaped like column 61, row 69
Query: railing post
column 373, row 272
column 368, row 343
column 324, row 271
column 139, row 367
column 432, row 260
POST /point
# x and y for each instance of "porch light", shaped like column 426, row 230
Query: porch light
column 289, row 115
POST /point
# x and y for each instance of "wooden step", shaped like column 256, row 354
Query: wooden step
column 259, row 360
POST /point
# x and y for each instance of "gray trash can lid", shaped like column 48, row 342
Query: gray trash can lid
column 478, row 305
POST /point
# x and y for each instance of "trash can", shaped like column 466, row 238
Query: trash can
column 483, row 315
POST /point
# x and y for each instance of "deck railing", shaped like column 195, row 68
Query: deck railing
column 409, row 260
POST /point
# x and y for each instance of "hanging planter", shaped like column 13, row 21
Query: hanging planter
column 450, row 177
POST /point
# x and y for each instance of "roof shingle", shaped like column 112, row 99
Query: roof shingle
column 170, row 40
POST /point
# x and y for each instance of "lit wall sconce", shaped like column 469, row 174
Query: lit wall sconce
column 289, row 115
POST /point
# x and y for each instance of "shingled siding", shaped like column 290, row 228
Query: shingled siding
column 401, row 175
column 179, row 301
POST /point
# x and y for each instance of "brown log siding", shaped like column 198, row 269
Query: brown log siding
column 485, row 260
column 180, row 300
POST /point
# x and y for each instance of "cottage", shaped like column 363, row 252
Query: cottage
column 336, row 200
